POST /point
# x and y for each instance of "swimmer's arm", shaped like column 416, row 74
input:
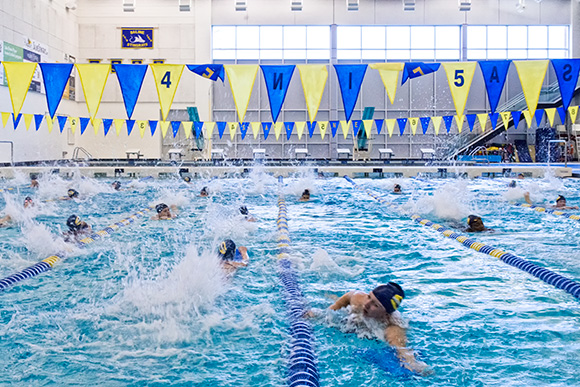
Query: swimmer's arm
column 396, row 336
column 342, row 302
column 174, row 210
column 527, row 197
column 245, row 257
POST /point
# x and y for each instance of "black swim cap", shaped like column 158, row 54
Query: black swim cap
column 390, row 296
column 204, row 190
column 160, row 207
column 560, row 197
column 244, row 210
column 72, row 193
column 116, row 184
column 28, row 199
column 471, row 219
column 227, row 250
column 512, row 184
column 74, row 222
column 187, row 179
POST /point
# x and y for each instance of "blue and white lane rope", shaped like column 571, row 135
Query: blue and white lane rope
column 48, row 263
column 549, row 211
column 302, row 362
column 545, row 275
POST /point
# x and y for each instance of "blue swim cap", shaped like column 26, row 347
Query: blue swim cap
column 160, row 207
column 227, row 250
column 390, row 296
column 72, row 193
column 244, row 210
column 73, row 222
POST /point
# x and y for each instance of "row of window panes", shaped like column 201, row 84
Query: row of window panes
column 517, row 37
column 398, row 37
column 271, row 54
column 397, row 54
column 516, row 54
column 271, row 37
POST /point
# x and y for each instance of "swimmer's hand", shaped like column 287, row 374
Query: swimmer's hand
column 313, row 313
column 419, row 367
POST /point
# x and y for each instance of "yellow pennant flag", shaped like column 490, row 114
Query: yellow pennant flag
column 278, row 129
column 241, row 78
column 118, row 125
column 313, row 79
column 255, row 128
column 550, row 113
column 142, row 125
column 164, row 125
column 74, row 121
column 391, row 125
column 482, row 120
column 209, row 127
column 344, row 126
column 187, row 125
column 96, row 124
column 389, row 73
column 323, row 127
column 528, row 118
column 573, row 113
column 232, row 126
column 167, row 78
column 300, row 128
column 27, row 120
column 459, row 120
column 368, row 124
column 93, row 80
column 18, row 75
column 50, row 122
column 436, row 123
column 5, row 118
column 413, row 121
column 531, row 73
column 459, row 76
column 505, row 118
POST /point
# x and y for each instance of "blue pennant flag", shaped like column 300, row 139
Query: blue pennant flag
column 198, row 126
column 289, row 128
column 416, row 69
column 334, row 127
column 107, row 122
column 494, row 74
column 539, row 115
column 448, row 120
column 266, row 126
column 55, row 77
column 350, row 79
column 424, row 123
column 402, row 123
column 61, row 122
column 85, row 122
column 209, row 71
column 562, row 113
column 379, row 124
column 311, row 126
column 221, row 127
column 567, row 74
column 175, row 127
column 493, row 119
column 277, row 79
column 130, row 125
column 356, row 125
column 130, row 78
column 244, row 128
column 470, row 121
column 38, row 120
column 516, row 115
column 152, row 126
column 16, row 120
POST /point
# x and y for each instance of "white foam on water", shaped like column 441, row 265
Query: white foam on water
column 325, row 265
column 450, row 201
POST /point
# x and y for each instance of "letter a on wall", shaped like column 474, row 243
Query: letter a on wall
column 93, row 80
column 313, row 79
column 241, row 78
column 167, row 78
column 459, row 76
column 277, row 79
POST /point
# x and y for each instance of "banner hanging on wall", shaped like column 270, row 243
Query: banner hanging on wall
column 136, row 37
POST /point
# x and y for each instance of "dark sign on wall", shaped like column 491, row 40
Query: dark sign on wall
column 136, row 37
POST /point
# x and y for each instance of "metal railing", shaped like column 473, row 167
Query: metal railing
column 75, row 155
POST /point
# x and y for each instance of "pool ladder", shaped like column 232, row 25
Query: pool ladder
column 75, row 155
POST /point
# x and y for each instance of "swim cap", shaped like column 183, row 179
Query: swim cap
column 227, row 250
column 204, row 190
column 28, row 199
column 390, row 296
column 187, row 179
column 244, row 210
column 560, row 197
column 72, row 193
column 73, row 222
column 160, row 207
column 116, row 185
column 471, row 219
column 512, row 184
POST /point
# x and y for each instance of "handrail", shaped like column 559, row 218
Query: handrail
column 11, row 150
column 75, row 154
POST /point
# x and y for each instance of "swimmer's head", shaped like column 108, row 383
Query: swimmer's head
column 72, row 193
column 520, row 176
column 389, row 296
column 116, row 185
column 204, row 192
column 187, row 179
column 160, row 207
column 244, row 210
column 512, row 184
column 74, row 223
column 561, row 201
column 306, row 194
column 227, row 250
column 475, row 223
column 397, row 188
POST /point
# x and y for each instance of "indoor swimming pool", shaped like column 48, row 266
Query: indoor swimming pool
column 151, row 305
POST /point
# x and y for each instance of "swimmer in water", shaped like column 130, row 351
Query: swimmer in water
column 521, row 176
column 232, row 258
column 6, row 220
column 34, row 182
column 249, row 217
column 28, row 202
column 187, row 179
column 77, row 229
column 305, row 196
column 560, row 203
column 116, row 185
column 204, row 192
column 512, row 184
column 380, row 305
column 397, row 189
column 71, row 194
column 475, row 224
column 164, row 212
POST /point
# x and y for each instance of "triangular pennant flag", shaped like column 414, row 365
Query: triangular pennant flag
column 277, row 80
column 567, row 73
column 459, row 76
column 167, row 78
column 425, row 123
column 494, row 75
column 84, row 123
column 379, row 125
column 311, row 125
column 539, row 116
column 313, row 79
column 130, row 125
column 27, row 120
column 562, row 114
column 130, row 78
column 175, row 125
column 232, row 126
column 356, row 125
column 74, row 121
column 289, row 128
column 470, row 121
column 164, row 126
column 300, row 128
column 209, row 127
column 5, row 118
column 198, row 128
column 244, row 128
column 278, row 129
column 266, row 126
column 448, row 120
column 459, row 119
column 528, row 118
column 402, row 123
column 208, row 71
column 119, row 122
column 550, row 113
column 61, row 122
column 493, row 117
column 38, row 120
column 93, row 80
column 390, row 126
column 344, row 125
column 389, row 73
column 96, row 124
column 18, row 75
column 153, row 126
column 573, row 113
column 221, row 125
column 187, row 128
column 436, row 124
column 350, row 79
column 142, row 125
column 322, row 126
column 368, row 125
column 16, row 120
column 241, row 78
column 55, row 77
column 505, row 117
column 334, row 127
column 107, row 123
column 256, row 128
column 532, row 73
column 482, row 121
column 417, row 69
column 516, row 115
column 413, row 122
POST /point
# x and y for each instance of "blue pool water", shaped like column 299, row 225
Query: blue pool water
column 149, row 305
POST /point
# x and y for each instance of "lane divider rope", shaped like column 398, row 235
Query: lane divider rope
column 549, row 211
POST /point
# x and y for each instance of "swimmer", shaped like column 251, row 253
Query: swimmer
column 116, row 185
column 249, row 217
column 475, row 224
column 187, row 179
column 204, row 192
column 72, row 194
column 5, row 221
column 512, row 184
column 521, row 176
column 380, row 305
column 232, row 258
column 164, row 212
column 77, row 229
column 28, row 202
column 397, row 189
column 560, row 203
column 34, row 182
column 305, row 196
